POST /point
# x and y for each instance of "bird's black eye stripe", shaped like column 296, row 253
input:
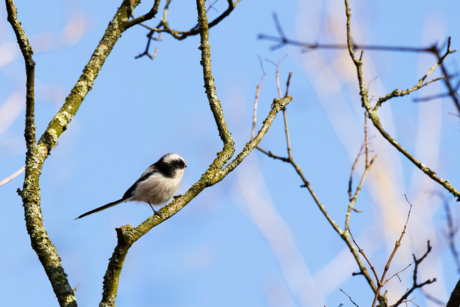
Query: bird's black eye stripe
column 169, row 169
column 177, row 164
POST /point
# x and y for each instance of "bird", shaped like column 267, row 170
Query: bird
column 156, row 185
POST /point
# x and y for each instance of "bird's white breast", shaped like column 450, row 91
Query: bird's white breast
column 157, row 189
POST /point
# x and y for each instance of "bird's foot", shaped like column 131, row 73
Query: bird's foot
column 177, row 196
column 154, row 211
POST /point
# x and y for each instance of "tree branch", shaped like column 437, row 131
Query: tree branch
column 37, row 153
column 41, row 243
column 27, row 53
column 434, row 49
column 376, row 120
column 128, row 235
column 129, row 23
column 415, row 284
column 343, row 234
column 454, row 300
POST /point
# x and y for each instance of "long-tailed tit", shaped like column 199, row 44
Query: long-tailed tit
column 156, row 185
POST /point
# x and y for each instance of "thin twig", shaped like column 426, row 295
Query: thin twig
column 278, row 73
column 306, row 184
column 11, row 177
column 415, row 284
column 428, row 98
column 398, row 93
column 349, row 297
column 364, row 255
column 151, row 14
column 406, row 301
column 358, row 189
column 350, row 181
column 366, row 138
column 434, row 49
column 396, row 274
column 382, row 281
column 376, row 120
column 452, row 229
column 432, row 298
column 257, row 98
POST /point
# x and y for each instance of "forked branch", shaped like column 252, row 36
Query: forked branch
column 128, row 235
column 376, row 120
column 38, row 152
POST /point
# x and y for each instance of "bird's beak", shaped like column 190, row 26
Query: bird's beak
column 185, row 165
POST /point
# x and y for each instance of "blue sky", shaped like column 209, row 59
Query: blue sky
column 256, row 238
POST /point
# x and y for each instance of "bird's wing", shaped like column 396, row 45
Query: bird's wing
column 150, row 171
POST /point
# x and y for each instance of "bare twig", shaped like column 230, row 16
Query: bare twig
column 128, row 235
column 350, row 182
column 211, row 6
column 163, row 26
column 376, row 120
column 349, row 297
column 398, row 93
column 358, row 189
column 382, row 281
column 396, row 274
column 257, row 98
column 306, row 184
column 366, row 137
column 9, row 178
column 434, row 49
column 151, row 14
column 452, row 229
column 146, row 52
column 406, row 301
column 432, row 298
column 415, row 284
column 278, row 73
column 428, row 98
column 364, row 255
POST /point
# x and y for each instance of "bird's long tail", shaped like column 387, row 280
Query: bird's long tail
column 103, row 208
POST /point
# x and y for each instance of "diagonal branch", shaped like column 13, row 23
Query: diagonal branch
column 454, row 300
column 398, row 93
column 306, row 184
column 376, row 120
column 128, row 235
column 415, row 284
column 41, row 243
column 129, row 23
column 434, row 49
column 38, row 152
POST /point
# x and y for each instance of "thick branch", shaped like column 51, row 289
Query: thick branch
column 209, row 178
column 454, row 300
column 37, row 153
column 128, row 235
column 40, row 241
